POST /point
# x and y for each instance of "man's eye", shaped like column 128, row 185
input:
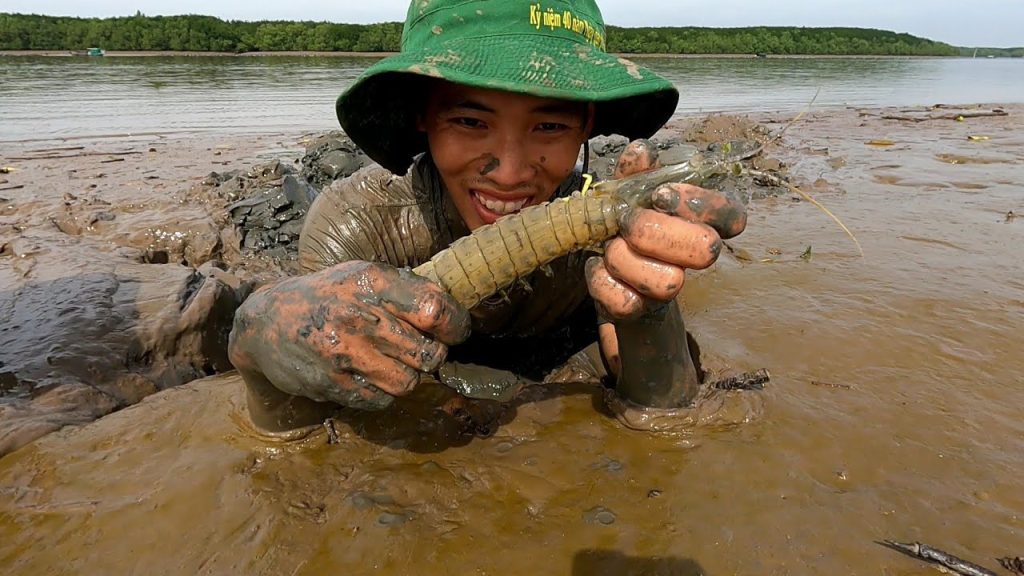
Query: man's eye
column 468, row 122
column 552, row 127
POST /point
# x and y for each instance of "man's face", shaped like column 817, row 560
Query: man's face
column 499, row 152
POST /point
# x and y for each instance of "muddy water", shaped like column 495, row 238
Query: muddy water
column 894, row 412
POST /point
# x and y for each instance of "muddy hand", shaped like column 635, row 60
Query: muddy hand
column 645, row 265
column 357, row 334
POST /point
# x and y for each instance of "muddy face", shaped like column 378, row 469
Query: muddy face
column 499, row 152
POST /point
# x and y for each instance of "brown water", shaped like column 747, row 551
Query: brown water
column 894, row 412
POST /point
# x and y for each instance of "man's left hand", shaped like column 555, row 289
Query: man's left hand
column 645, row 265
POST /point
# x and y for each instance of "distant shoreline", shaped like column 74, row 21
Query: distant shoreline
column 313, row 54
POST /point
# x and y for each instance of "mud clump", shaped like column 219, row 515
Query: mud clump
column 271, row 220
column 264, row 208
column 331, row 157
column 723, row 128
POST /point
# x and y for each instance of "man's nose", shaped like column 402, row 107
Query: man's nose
column 511, row 165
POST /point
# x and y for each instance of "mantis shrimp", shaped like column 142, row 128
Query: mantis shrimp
column 494, row 256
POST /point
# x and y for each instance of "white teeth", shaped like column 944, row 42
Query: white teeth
column 499, row 206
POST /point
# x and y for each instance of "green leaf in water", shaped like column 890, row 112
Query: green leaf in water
column 807, row 254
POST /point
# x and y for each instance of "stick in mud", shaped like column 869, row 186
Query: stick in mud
column 830, row 385
column 747, row 381
column 997, row 112
column 56, row 156
column 52, row 150
column 776, row 181
column 947, row 560
column 332, row 432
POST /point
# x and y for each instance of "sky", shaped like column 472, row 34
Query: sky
column 996, row 23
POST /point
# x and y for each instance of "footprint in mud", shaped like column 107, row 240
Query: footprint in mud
column 365, row 501
column 394, row 519
column 504, row 447
column 391, row 516
column 893, row 180
column 608, row 464
column 888, row 179
column 599, row 515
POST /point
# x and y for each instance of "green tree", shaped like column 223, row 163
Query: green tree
column 205, row 33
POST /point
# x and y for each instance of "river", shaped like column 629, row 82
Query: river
column 46, row 98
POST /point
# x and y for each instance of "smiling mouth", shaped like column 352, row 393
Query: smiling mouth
column 500, row 207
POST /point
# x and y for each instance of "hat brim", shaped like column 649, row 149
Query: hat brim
column 379, row 110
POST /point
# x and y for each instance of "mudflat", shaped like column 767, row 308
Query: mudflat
column 893, row 410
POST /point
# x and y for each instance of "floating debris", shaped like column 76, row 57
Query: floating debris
column 945, row 559
column 940, row 112
column 1015, row 564
column 747, row 381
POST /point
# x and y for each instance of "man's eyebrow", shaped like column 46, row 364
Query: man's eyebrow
column 572, row 108
column 470, row 105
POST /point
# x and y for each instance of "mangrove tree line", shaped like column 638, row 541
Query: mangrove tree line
column 209, row 34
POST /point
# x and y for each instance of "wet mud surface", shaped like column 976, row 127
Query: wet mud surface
column 893, row 410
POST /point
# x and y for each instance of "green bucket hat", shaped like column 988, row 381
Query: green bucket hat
column 546, row 48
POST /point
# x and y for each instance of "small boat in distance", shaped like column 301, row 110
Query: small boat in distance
column 95, row 52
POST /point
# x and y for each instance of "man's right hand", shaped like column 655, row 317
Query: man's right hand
column 357, row 334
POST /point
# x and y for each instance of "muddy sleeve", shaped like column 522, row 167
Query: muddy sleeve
column 374, row 216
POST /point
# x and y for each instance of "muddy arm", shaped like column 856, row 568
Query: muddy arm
column 372, row 217
column 650, row 358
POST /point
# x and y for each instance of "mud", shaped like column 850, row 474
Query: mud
column 917, row 438
column 106, row 227
column 113, row 287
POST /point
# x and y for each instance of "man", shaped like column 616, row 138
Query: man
column 482, row 114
